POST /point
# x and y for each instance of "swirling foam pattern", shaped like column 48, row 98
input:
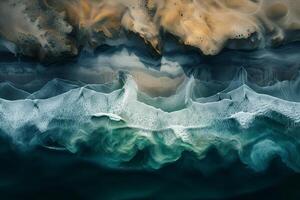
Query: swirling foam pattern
column 115, row 125
column 121, row 118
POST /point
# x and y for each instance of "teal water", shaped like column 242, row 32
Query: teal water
column 86, row 130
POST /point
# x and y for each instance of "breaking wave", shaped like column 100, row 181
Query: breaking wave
column 134, row 114
column 114, row 125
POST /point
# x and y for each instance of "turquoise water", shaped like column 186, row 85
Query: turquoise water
column 90, row 129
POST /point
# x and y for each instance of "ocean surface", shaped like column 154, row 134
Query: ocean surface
column 124, row 123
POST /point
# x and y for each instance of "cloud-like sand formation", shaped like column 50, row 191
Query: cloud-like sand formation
column 61, row 27
column 226, row 125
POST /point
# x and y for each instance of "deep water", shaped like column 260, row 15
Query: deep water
column 124, row 123
column 46, row 174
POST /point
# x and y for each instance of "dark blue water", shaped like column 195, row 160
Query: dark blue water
column 72, row 131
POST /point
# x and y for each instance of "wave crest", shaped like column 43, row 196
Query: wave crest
column 115, row 126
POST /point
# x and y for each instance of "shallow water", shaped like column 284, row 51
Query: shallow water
column 122, row 123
